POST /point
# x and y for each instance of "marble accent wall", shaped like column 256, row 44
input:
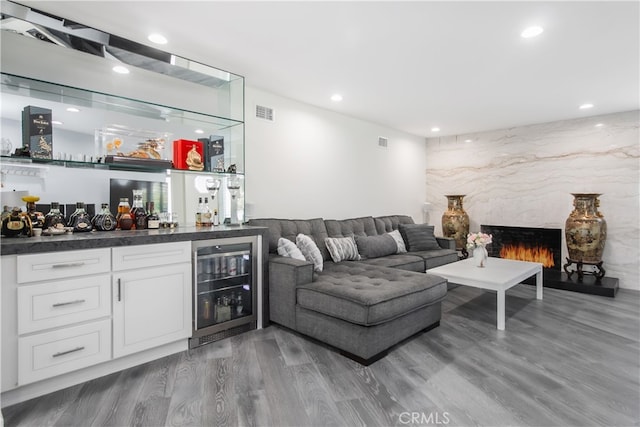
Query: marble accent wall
column 524, row 176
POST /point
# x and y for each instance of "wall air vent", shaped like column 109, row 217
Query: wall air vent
column 265, row 113
column 382, row 141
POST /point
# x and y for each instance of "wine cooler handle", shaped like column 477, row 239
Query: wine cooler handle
column 119, row 291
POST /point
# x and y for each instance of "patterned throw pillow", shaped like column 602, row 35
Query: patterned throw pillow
column 399, row 241
column 310, row 251
column 289, row 249
column 342, row 248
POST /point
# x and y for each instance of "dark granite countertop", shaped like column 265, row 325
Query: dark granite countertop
column 107, row 239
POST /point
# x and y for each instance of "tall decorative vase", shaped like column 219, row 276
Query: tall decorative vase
column 455, row 221
column 480, row 256
column 585, row 229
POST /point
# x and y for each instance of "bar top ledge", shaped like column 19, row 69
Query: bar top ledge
column 106, row 239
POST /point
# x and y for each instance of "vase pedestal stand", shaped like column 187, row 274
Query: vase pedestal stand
column 598, row 273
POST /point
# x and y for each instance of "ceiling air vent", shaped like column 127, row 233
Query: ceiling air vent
column 264, row 113
column 382, row 141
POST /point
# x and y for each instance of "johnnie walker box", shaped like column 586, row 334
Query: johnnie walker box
column 37, row 132
column 213, row 151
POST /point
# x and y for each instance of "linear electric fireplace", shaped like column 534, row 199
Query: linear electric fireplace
column 543, row 245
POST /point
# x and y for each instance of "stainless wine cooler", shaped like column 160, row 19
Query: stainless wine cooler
column 225, row 273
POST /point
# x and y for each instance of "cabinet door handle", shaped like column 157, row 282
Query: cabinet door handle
column 62, row 353
column 60, row 304
column 67, row 265
column 119, row 291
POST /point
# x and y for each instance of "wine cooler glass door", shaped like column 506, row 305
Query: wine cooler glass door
column 223, row 280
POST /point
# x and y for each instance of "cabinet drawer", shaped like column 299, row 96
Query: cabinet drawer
column 141, row 256
column 58, row 265
column 53, row 353
column 53, row 304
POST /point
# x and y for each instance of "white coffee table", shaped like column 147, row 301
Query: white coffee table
column 498, row 275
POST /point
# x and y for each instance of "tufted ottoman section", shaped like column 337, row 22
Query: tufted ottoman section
column 369, row 295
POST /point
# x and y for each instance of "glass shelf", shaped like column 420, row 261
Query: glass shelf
column 36, row 89
column 38, row 167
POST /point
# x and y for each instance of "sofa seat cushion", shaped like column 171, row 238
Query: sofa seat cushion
column 437, row 257
column 406, row 261
column 369, row 295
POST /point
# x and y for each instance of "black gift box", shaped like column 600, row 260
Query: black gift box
column 213, row 153
column 37, row 132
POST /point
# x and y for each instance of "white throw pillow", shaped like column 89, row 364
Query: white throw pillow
column 399, row 241
column 289, row 249
column 310, row 251
column 342, row 248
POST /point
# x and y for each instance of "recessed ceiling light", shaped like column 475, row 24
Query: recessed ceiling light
column 73, row 110
column 336, row 97
column 468, row 140
column 120, row 69
column 599, row 125
column 531, row 32
column 435, row 129
column 586, row 106
column 157, row 38
column 199, row 131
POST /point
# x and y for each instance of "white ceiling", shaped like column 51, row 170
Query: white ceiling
column 461, row 66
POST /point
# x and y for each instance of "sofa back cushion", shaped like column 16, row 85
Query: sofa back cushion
column 363, row 226
column 388, row 223
column 376, row 246
column 419, row 237
column 290, row 228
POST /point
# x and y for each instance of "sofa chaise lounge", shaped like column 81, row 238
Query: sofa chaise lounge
column 362, row 307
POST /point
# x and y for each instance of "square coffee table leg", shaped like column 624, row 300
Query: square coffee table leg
column 501, row 310
column 539, row 285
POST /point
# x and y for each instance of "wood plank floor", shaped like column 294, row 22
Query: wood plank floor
column 568, row 360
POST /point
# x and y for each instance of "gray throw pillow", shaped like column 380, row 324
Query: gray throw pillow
column 376, row 246
column 418, row 237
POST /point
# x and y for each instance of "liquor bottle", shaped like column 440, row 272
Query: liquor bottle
column 54, row 218
column 207, row 215
column 206, row 307
column 216, row 219
column 124, row 218
column 153, row 219
column 104, row 220
column 72, row 216
column 239, row 305
column 199, row 212
column 81, row 219
column 138, row 212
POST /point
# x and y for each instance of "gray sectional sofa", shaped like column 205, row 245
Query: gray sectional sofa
column 362, row 307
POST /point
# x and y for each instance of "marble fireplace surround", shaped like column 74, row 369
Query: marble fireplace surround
column 524, row 177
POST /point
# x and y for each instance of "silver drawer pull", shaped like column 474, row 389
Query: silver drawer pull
column 60, row 304
column 67, row 265
column 62, row 353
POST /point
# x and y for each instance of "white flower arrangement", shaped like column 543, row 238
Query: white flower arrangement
column 475, row 240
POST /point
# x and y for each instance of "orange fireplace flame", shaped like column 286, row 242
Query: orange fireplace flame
column 522, row 253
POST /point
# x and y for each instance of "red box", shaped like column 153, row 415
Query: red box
column 187, row 154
